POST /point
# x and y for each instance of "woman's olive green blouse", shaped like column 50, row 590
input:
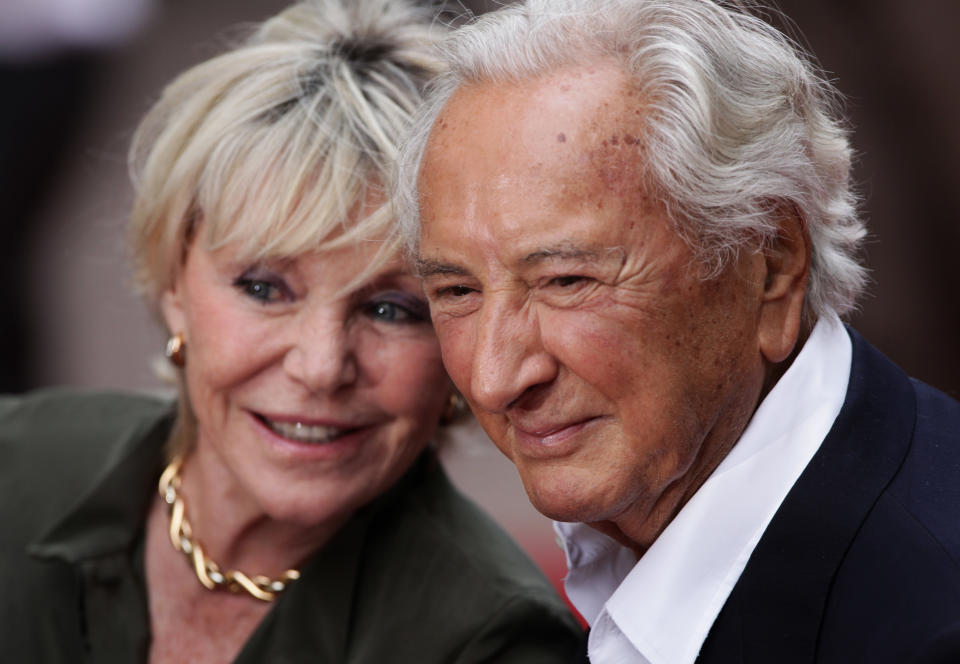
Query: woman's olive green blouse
column 420, row 575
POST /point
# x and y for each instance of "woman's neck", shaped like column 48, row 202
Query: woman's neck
column 234, row 529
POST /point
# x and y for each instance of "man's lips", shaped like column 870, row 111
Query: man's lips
column 548, row 435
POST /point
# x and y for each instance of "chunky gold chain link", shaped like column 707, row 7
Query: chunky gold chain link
column 207, row 571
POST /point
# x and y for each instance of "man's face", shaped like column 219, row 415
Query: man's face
column 570, row 315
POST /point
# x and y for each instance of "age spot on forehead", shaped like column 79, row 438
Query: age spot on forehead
column 616, row 164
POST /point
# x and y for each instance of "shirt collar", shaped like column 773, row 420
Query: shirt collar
column 666, row 603
column 110, row 515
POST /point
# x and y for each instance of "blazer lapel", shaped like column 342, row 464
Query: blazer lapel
column 775, row 610
column 580, row 657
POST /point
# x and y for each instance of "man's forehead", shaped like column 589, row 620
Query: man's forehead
column 585, row 137
column 535, row 172
column 574, row 92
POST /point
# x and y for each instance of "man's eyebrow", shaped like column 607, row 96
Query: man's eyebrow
column 426, row 267
column 571, row 251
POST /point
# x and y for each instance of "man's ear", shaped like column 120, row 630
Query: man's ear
column 787, row 258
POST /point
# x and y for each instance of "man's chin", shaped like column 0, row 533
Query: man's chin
column 565, row 502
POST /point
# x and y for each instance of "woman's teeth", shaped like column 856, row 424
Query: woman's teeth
column 305, row 433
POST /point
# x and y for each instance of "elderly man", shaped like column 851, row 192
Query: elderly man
column 636, row 232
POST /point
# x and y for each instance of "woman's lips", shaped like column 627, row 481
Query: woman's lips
column 306, row 432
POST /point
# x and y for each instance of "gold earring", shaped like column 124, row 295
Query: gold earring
column 176, row 350
column 455, row 409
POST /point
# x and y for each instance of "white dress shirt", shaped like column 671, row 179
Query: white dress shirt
column 658, row 610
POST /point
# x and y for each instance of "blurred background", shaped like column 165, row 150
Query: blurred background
column 75, row 77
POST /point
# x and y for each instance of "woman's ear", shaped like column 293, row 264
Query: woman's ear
column 787, row 258
column 171, row 307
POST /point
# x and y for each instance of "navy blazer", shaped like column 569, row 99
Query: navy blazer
column 861, row 563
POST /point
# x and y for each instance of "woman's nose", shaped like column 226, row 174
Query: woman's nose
column 322, row 354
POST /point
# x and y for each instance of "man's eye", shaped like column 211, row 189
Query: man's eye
column 567, row 280
column 456, row 291
column 454, row 300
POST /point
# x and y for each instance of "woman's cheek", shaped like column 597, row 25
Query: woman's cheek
column 406, row 371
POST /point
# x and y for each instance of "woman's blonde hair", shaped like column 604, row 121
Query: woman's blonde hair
column 275, row 143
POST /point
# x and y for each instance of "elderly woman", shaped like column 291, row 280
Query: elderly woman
column 301, row 515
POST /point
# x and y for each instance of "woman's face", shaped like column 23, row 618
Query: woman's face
column 309, row 401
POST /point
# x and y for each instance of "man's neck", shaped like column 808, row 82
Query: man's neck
column 639, row 525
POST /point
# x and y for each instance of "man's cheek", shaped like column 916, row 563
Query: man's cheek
column 456, row 349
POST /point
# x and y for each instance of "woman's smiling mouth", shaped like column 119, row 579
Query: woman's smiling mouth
column 300, row 432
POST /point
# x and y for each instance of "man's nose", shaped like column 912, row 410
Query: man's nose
column 509, row 359
column 322, row 352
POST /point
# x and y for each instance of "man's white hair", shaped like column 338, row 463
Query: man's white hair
column 740, row 127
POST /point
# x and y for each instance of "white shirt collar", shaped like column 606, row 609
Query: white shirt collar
column 659, row 609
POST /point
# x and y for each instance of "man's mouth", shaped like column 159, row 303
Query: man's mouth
column 551, row 439
column 313, row 434
column 546, row 430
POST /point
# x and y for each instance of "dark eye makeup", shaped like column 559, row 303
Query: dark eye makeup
column 396, row 307
column 383, row 304
column 263, row 285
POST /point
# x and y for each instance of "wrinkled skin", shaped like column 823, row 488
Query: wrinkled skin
column 574, row 319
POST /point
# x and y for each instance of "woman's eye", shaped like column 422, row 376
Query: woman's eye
column 393, row 312
column 261, row 289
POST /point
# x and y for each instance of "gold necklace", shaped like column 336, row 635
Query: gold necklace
column 207, row 571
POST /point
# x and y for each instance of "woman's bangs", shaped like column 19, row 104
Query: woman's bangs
column 275, row 210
